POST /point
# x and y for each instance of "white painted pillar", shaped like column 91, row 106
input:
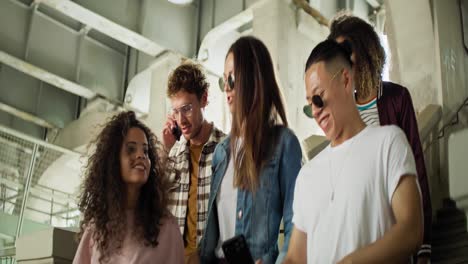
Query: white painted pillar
column 412, row 45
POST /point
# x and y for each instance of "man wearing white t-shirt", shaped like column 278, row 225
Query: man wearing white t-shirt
column 358, row 200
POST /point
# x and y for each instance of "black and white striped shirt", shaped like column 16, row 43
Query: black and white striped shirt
column 369, row 112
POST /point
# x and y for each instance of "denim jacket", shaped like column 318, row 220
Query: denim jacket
column 258, row 215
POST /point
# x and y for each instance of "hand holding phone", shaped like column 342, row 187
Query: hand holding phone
column 236, row 250
column 176, row 131
column 169, row 133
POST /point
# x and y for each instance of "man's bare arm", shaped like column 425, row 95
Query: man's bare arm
column 404, row 237
column 297, row 251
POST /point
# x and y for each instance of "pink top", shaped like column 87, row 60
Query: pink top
column 169, row 250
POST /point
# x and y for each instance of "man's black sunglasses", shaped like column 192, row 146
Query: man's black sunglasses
column 317, row 101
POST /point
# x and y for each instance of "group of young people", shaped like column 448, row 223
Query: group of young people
column 364, row 199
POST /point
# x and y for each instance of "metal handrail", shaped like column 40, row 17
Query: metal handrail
column 58, row 202
column 7, row 252
column 18, row 184
column 54, row 194
column 428, row 119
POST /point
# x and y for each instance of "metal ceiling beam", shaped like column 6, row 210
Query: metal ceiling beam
column 46, row 76
column 104, row 25
column 58, row 82
column 229, row 25
column 26, row 116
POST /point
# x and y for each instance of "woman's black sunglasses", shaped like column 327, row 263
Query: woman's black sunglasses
column 230, row 82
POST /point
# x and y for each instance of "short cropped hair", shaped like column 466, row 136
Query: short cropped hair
column 329, row 50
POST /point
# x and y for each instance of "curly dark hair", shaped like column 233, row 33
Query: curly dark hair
column 369, row 53
column 188, row 77
column 103, row 196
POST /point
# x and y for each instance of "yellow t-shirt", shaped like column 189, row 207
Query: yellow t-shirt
column 190, row 236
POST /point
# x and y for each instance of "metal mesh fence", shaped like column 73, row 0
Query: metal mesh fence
column 38, row 182
column 15, row 155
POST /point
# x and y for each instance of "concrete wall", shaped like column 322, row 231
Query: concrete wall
column 428, row 57
column 413, row 58
column 452, row 59
column 290, row 34
column 458, row 168
column 452, row 55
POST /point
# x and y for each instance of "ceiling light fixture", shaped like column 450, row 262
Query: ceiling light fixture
column 181, row 2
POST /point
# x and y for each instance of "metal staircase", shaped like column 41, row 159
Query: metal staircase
column 449, row 235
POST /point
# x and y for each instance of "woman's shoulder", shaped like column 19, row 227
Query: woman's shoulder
column 393, row 89
column 170, row 232
column 171, row 246
column 285, row 133
column 221, row 149
column 86, row 250
column 169, row 224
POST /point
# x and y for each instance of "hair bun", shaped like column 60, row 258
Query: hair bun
column 347, row 47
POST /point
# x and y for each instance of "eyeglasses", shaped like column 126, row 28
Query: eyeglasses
column 317, row 99
column 185, row 110
column 230, row 82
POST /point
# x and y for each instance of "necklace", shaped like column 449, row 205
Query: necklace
column 332, row 178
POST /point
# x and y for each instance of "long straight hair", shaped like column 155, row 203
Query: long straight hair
column 259, row 108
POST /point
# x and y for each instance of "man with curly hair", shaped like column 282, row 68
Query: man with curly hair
column 191, row 156
column 124, row 199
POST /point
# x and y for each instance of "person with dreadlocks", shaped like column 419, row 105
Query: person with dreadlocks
column 383, row 103
column 124, row 201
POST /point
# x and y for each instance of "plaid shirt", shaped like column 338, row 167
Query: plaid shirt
column 179, row 175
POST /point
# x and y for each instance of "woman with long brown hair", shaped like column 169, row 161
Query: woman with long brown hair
column 124, row 200
column 255, row 168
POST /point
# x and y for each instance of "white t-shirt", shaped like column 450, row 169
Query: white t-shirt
column 226, row 203
column 342, row 199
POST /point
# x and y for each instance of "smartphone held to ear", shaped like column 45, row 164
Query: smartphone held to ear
column 176, row 132
column 236, row 250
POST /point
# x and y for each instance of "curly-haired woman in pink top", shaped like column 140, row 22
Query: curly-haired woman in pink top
column 124, row 200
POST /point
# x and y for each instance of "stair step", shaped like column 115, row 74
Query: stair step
column 452, row 253
column 458, row 260
column 449, row 222
column 448, row 203
column 447, row 247
column 449, row 213
column 449, row 234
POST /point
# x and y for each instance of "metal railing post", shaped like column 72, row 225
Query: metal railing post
column 19, row 227
column 3, row 194
column 52, row 206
